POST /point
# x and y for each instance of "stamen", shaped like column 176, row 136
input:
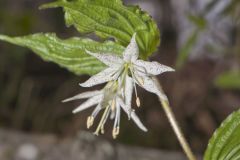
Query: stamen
column 137, row 98
column 113, row 105
column 116, row 127
column 102, row 121
column 90, row 121
column 135, row 89
column 96, row 133
column 115, row 132
column 102, row 130
column 138, row 102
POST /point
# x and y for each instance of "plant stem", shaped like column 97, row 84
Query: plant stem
column 174, row 124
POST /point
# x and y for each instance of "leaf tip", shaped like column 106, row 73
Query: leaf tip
column 3, row 37
column 48, row 5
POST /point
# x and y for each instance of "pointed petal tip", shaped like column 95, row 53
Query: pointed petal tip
column 78, row 109
column 80, row 84
column 74, row 111
column 171, row 69
column 168, row 69
column 65, row 100
column 83, row 84
column 68, row 99
column 145, row 130
column 133, row 39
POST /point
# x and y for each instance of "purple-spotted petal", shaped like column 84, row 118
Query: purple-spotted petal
column 131, row 53
column 108, row 59
column 150, row 85
column 153, row 68
column 106, row 75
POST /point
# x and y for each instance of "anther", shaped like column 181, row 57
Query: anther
column 90, row 121
column 138, row 102
column 102, row 130
column 113, row 105
column 115, row 132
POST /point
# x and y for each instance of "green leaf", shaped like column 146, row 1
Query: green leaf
column 111, row 19
column 69, row 53
column 228, row 80
column 225, row 143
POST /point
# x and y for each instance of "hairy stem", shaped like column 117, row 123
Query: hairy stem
column 174, row 124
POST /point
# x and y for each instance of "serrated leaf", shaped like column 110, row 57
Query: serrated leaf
column 228, row 80
column 69, row 53
column 225, row 143
column 110, row 18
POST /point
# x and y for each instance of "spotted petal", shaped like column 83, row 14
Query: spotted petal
column 106, row 75
column 134, row 117
column 131, row 53
column 89, row 103
column 108, row 59
column 83, row 95
column 150, row 85
column 153, row 68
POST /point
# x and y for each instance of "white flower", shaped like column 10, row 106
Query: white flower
column 122, row 75
column 140, row 71
column 111, row 99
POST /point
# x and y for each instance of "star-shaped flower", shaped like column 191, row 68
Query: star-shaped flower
column 111, row 99
column 122, row 75
column 140, row 71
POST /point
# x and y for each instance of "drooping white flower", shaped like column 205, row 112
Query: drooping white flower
column 122, row 75
column 111, row 99
column 140, row 71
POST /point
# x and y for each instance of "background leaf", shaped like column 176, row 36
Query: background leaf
column 69, row 53
column 111, row 19
column 228, row 80
column 225, row 143
column 186, row 49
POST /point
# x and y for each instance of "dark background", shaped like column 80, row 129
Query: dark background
column 31, row 90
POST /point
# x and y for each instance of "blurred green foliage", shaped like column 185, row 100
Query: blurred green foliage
column 200, row 25
column 228, row 80
column 186, row 49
